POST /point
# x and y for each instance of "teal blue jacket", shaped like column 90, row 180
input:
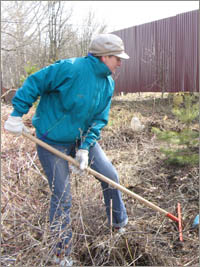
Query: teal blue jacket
column 75, row 97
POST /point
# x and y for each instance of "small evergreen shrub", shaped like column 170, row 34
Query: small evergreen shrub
column 182, row 146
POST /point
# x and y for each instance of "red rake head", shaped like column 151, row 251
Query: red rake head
column 177, row 219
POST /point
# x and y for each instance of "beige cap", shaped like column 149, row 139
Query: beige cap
column 107, row 45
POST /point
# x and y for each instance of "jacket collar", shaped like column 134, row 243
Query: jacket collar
column 99, row 67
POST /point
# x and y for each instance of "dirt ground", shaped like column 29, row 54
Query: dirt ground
column 151, row 239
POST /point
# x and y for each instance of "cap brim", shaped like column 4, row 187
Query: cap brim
column 123, row 55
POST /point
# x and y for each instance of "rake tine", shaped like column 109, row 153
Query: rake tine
column 180, row 223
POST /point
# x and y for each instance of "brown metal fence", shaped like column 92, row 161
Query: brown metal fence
column 164, row 56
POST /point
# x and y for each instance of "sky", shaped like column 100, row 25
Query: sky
column 123, row 14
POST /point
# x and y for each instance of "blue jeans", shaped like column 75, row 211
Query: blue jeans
column 58, row 175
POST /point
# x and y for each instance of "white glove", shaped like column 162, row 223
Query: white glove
column 15, row 125
column 82, row 158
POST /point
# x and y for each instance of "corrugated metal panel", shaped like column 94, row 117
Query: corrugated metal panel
column 163, row 56
column 165, row 49
column 187, row 53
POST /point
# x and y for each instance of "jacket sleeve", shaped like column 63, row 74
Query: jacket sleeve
column 44, row 81
column 100, row 120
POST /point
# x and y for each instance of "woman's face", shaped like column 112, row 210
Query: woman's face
column 112, row 62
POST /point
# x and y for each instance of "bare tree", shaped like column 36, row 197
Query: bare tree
column 90, row 28
column 159, row 60
column 18, row 35
column 39, row 33
column 27, row 30
column 58, row 28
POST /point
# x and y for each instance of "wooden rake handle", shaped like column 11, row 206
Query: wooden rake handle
column 100, row 176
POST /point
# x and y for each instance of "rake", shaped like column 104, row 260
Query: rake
column 112, row 183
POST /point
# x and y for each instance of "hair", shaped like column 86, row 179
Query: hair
column 100, row 57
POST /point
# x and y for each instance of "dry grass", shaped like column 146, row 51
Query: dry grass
column 150, row 240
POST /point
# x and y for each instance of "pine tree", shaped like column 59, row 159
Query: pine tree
column 182, row 146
